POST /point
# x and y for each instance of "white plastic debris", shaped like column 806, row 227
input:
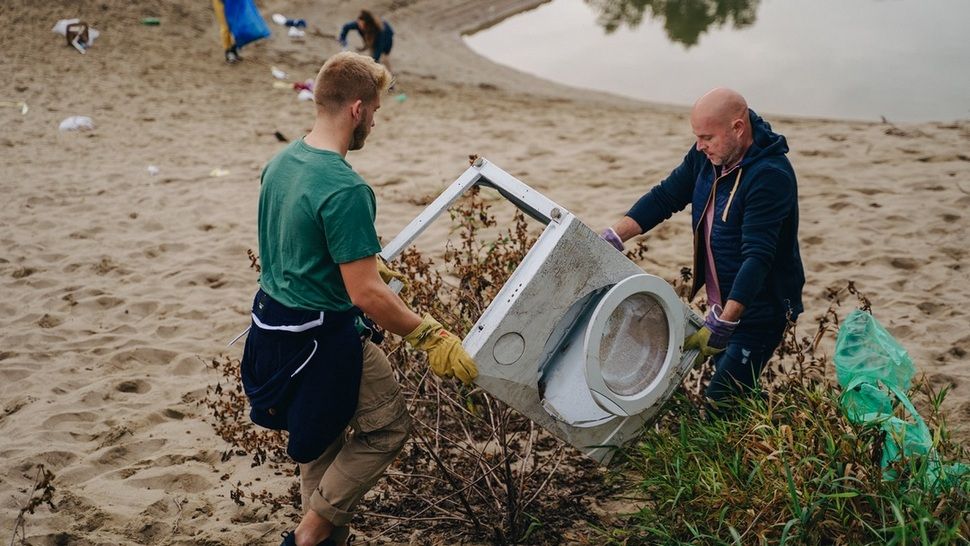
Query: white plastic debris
column 279, row 19
column 60, row 27
column 19, row 104
column 153, row 170
column 77, row 123
column 305, row 94
column 217, row 172
column 277, row 73
column 295, row 33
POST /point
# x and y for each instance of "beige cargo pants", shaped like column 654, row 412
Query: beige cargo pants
column 333, row 484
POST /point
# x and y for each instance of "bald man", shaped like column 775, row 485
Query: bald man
column 744, row 202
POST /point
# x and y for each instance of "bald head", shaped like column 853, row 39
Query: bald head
column 720, row 123
column 721, row 105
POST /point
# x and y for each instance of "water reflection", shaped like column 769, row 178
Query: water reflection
column 684, row 20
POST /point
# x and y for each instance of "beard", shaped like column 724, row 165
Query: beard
column 731, row 156
column 359, row 135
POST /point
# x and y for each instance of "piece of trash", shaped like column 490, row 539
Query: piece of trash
column 875, row 372
column 281, row 85
column 279, row 136
column 281, row 19
column 308, row 85
column 305, row 94
column 400, row 97
column 76, row 123
column 151, row 21
column 19, row 104
column 217, row 172
column 78, row 34
column 277, row 73
column 295, row 33
column 153, row 170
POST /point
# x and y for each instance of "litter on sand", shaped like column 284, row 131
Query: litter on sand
column 77, row 32
column 277, row 73
column 283, row 20
column 217, row 172
column 19, row 104
column 77, row 123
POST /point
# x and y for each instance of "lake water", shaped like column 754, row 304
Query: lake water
column 907, row 60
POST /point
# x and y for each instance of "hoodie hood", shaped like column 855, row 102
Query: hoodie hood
column 766, row 142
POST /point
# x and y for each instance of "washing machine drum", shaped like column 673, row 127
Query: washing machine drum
column 620, row 356
column 633, row 347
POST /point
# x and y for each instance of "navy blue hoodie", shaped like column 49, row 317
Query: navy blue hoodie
column 755, row 232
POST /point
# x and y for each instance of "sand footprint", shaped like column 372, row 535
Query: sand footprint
column 142, row 309
column 130, row 452
column 143, row 355
column 136, row 386
column 70, row 418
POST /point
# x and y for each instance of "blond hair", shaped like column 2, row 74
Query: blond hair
column 347, row 77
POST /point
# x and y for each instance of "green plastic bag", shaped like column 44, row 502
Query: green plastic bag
column 875, row 372
column 865, row 351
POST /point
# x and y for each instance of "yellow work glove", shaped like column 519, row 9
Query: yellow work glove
column 446, row 356
column 387, row 273
column 701, row 340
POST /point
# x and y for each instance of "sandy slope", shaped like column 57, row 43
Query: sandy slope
column 118, row 286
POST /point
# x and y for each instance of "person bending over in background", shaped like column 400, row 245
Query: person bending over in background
column 377, row 34
column 744, row 202
column 310, row 366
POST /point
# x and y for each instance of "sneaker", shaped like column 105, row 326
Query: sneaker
column 289, row 539
column 232, row 56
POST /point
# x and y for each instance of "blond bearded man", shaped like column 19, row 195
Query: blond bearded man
column 310, row 366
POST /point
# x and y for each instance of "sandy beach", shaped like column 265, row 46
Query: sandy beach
column 119, row 286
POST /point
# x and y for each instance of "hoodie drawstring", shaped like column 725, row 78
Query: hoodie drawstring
column 737, row 180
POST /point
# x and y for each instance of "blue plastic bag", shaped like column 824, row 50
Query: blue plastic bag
column 245, row 22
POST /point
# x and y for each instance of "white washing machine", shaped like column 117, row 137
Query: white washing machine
column 579, row 339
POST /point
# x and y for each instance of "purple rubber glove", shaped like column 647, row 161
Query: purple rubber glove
column 611, row 237
column 713, row 337
column 721, row 330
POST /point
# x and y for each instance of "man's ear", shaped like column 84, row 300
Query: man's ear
column 738, row 126
column 356, row 108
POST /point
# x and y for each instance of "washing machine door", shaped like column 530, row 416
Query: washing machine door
column 633, row 343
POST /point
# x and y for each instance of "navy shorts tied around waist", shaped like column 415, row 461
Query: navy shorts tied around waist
column 301, row 372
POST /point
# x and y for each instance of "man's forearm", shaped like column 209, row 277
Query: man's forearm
column 386, row 309
column 732, row 311
column 626, row 228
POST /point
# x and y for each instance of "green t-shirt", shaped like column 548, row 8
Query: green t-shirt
column 315, row 212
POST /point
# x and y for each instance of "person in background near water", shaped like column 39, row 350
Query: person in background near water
column 377, row 34
column 744, row 202
column 228, row 42
column 310, row 364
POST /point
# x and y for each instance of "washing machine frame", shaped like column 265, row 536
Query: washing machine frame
column 520, row 339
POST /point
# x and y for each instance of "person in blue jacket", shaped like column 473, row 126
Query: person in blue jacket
column 744, row 202
column 377, row 34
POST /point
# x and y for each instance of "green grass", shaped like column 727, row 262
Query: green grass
column 791, row 470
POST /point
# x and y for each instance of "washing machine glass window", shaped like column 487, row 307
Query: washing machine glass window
column 634, row 345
